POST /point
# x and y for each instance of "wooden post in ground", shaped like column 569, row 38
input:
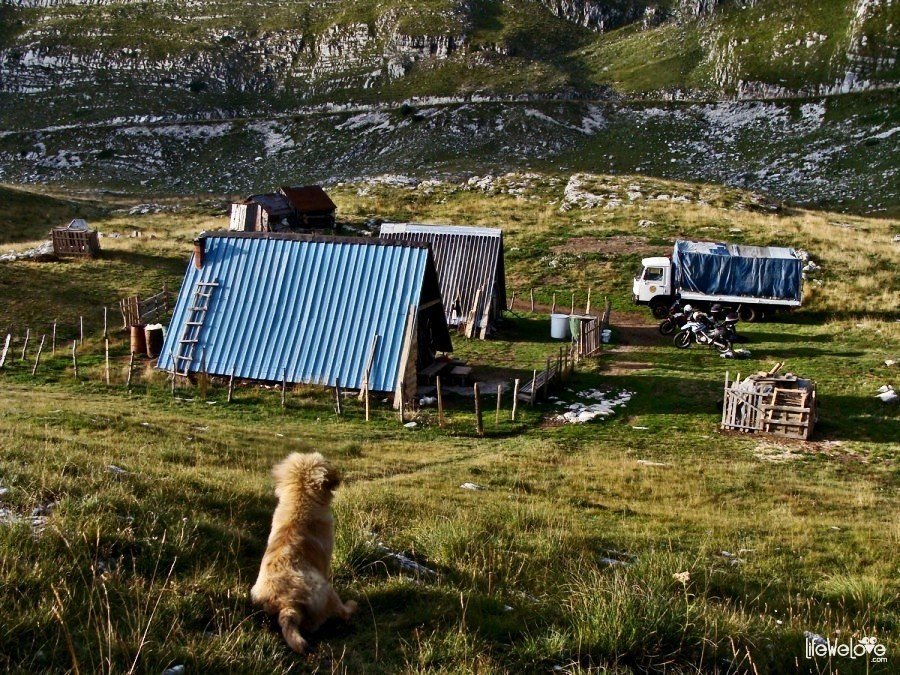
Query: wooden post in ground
column 283, row 388
column 165, row 296
column 587, row 306
column 553, row 306
column 130, row 371
column 37, row 358
column 532, row 299
column 479, row 423
column 573, row 303
column 559, row 363
column 105, row 331
column 106, row 341
column 174, row 371
column 402, row 402
column 515, row 404
column 53, row 341
column 547, row 379
column 202, row 377
column 533, row 387
column 75, row 358
column 231, row 385
column 337, row 396
column 366, row 398
column 81, row 330
column 499, row 395
column 512, row 301
column 440, row 401
column 5, row 349
column 25, row 346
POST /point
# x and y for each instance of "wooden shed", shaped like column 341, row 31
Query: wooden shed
column 75, row 240
column 311, row 206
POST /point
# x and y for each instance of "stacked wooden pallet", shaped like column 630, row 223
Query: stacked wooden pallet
column 766, row 402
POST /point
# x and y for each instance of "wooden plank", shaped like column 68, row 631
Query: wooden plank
column 408, row 332
column 5, row 349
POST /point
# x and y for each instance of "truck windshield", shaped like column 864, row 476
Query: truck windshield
column 653, row 274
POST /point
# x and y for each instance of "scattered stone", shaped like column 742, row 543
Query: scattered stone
column 404, row 562
column 581, row 412
column 648, row 462
column 174, row 670
column 890, row 362
column 644, row 223
column 735, row 354
column 471, row 486
column 112, row 468
column 411, row 425
column 42, row 252
column 887, row 394
column 427, row 400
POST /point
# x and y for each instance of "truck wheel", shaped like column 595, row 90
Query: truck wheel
column 749, row 313
column 659, row 309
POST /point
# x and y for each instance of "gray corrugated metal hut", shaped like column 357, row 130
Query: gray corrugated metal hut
column 470, row 268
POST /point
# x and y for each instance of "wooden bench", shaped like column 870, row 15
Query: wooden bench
column 461, row 374
column 428, row 374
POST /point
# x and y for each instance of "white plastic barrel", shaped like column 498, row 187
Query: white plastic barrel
column 559, row 326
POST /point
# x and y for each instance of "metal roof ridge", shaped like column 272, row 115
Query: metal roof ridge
column 312, row 238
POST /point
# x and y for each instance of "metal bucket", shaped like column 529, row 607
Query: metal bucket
column 559, row 326
column 154, row 339
column 138, row 339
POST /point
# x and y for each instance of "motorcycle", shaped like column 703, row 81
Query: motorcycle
column 702, row 332
column 673, row 322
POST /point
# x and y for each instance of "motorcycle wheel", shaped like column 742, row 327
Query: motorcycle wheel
column 683, row 339
column 667, row 327
column 722, row 345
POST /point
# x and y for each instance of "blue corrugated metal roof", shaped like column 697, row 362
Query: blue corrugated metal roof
column 309, row 305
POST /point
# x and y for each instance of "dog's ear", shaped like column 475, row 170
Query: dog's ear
column 332, row 479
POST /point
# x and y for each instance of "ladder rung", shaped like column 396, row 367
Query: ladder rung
column 186, row 341
column 198, row 309
column 193, row 323
column 207, row 283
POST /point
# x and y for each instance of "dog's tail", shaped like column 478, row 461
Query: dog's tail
column 289, row 620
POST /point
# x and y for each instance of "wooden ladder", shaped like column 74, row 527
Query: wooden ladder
column 190, row 335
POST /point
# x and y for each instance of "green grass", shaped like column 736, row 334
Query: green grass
column 146, row 569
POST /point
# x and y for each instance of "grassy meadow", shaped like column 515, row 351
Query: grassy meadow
column 132, row 522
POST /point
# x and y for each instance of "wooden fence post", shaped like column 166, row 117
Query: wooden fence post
column 512, row 301
column 74, row 358
column 402, row 401
column 25, row 346
column 202, row 377
column 81, row 330
column 532, row 299
column 174, row 371
column 130, row 371
column 53, row 341
column 337, row 396
column 5, row 349
column 499, row 393
column 106, row 341
column 533, row 386
column 547, row 379
column 37, row 358
column 105, row 331
column 515, row 404
column 231, row 384
column 479, row 424
column 440, row 401
column 572, row 311
column 283, row 388
column 587, row 306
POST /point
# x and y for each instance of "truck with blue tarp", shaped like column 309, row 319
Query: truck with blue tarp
column 753, row 280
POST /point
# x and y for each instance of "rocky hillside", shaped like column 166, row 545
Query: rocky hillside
column 72, row 70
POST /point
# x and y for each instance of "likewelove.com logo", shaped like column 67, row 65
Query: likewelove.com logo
column 864, row 647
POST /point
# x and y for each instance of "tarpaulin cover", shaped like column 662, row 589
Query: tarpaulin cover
column 732, row 269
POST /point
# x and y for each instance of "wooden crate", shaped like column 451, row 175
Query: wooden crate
column 770, row 404
column 75, row 243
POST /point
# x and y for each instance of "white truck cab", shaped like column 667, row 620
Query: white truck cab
column 654, row 281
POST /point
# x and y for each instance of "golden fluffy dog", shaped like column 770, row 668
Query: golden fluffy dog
column 294, row 582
